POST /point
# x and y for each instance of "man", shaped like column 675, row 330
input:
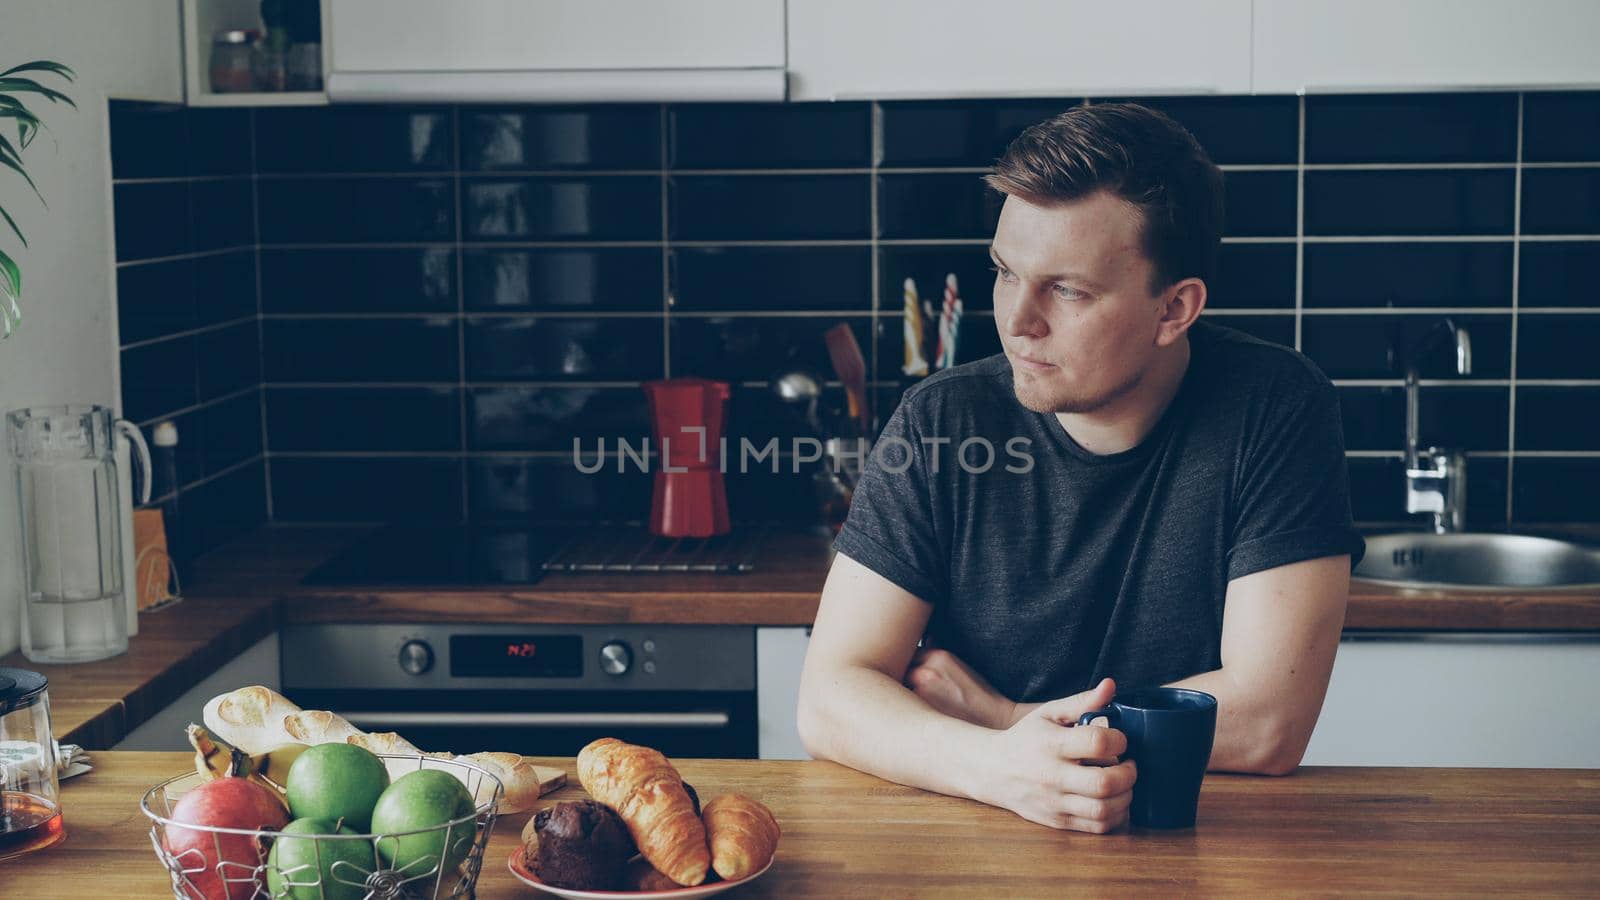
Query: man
column 1166, row 504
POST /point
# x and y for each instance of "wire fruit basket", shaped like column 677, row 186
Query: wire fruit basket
column 238, row 865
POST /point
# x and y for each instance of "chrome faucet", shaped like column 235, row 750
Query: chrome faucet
column 1436, row 478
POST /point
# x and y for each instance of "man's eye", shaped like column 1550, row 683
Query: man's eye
column 1005, row 274
column 1067, row 293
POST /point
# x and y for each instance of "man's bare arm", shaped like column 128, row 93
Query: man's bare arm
column 1280, row 631
column 855, row 710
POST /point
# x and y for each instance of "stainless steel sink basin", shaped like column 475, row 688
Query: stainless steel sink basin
column 1479, row 560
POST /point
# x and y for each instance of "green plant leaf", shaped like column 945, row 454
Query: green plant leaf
column 41, row 65
column 10, row 159
column 29, row 86
column 28, row 124
column 10, row 276
column 13, row 223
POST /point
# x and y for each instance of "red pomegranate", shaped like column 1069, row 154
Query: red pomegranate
column 228, row 802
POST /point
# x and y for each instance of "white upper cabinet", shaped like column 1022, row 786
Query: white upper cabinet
column 853, row 49
column 1334, row 46
column 556, row 50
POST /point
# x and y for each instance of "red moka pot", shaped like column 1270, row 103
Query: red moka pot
column 689, row 498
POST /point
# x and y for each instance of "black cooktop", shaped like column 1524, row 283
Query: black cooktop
column 446, row 555
column 443, row 555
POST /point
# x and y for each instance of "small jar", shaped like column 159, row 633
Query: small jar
column 271, row 66
column 231, row 62
column 305, row 67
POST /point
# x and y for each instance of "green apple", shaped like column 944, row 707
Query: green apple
column 423, row 799
column 336, row 781
column 304, row 868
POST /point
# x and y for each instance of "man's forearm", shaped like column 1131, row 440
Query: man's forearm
column 868, row 721
column 1253, row 735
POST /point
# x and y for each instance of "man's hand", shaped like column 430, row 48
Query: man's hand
column 1043, row 767
column 948, row 685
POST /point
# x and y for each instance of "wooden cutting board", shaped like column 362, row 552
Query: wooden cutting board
column 549, row 779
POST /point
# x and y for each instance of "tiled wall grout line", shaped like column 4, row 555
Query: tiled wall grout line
column 196, row 407
column 461, row 311
column 665, row 151
column 184, row 257
column 1516, row 296
column 261, row 325
column 1300, row 222
column 192, row 332
column 874, row 157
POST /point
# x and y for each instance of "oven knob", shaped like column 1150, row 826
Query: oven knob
column 416, row 657
column 615, row 658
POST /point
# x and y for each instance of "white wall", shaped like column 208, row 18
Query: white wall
column 66, row 349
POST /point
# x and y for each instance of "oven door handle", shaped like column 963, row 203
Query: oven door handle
column 403, row 719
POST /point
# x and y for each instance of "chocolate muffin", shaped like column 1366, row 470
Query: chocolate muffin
column 581, row 845
column 693, row 797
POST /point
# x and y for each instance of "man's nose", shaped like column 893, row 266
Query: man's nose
column 1025, row 319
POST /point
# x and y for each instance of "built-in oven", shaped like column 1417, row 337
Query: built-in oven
column 537, row 690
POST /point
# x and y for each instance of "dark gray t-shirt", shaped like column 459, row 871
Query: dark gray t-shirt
column 1090, row 565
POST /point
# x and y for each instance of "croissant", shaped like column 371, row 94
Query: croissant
column 646, row 791
column 744, row 835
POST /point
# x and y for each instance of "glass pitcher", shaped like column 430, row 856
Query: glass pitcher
column 73, row 607
column 30, row 802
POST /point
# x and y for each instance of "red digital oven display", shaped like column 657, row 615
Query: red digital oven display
column 516, row 656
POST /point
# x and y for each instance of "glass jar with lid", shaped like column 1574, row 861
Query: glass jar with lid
column 30, row 799
column 232, row 71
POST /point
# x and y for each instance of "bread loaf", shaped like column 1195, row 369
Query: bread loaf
column 257, row 719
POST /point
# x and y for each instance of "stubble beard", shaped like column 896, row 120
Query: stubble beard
column 1034, row 393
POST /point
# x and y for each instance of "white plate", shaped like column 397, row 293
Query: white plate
column 519, row 867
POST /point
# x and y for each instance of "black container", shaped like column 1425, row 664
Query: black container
column 1169, row 731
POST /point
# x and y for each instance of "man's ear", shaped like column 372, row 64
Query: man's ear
column 1182, row 306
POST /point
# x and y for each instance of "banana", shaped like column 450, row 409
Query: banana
column 214, row 758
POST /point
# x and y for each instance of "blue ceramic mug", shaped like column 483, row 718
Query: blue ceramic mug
column 1169, row 739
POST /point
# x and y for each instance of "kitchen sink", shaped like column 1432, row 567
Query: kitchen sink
column 1479, row 560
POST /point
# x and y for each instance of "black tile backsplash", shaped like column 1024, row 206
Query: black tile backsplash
column 366, row 349
column 1559, row 273
column 613, row 208
column 358, row 280
column 367, row 419
column 772, row 278
column 1561, row 201
column 1372, row 346
column 1259, row 204
column 769, row 207
column 549, row 348
column 1561, row 127
column 355, row 210
column 187, row 314
column 361, row 139
column 1409, row 202
column 1411, row 128
column 441, row 298
column 556, row 138
column 769, row 136
column 1409, row 274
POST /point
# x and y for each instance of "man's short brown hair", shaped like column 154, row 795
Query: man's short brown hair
column 1138, row 154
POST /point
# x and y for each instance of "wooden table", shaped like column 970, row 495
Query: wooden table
column 1407, row 831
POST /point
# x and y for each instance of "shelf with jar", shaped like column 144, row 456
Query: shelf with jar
column 254, row 52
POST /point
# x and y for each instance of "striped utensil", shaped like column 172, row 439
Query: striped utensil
column 915, row 363
column 949, row 324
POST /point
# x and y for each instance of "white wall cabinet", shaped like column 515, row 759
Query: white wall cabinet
column 1344, row 46
column 556, row 50
column 854, row 49
column 780, row 653
column 1487, row 700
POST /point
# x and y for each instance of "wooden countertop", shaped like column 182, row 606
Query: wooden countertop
column 242, row 590
column 1323, row 831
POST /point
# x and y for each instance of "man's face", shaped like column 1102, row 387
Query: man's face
column 1072, row 301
